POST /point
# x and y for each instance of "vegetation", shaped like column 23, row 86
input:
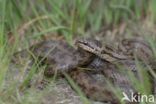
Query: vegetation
column 25, row 21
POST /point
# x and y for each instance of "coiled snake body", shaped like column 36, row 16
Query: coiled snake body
column 62, row 58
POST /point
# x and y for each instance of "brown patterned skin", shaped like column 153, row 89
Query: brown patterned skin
column 119, row 78
column 101, row 88
column 127, row 48
column 60, row 56
column 116, row 77
column 111, row 71
column 104, row 52
column 138, row 47
column 63, row 54
column 142, row 50
column 92, row 88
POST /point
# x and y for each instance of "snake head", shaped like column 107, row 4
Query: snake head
column 89, row 44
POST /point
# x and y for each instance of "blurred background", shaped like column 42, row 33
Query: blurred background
column 70, row 18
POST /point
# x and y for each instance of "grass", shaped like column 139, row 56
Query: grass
column 28, row 21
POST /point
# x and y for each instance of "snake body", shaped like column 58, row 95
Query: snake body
column 60, row 57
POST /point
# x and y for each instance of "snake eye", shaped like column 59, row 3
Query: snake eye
column 85, row 43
